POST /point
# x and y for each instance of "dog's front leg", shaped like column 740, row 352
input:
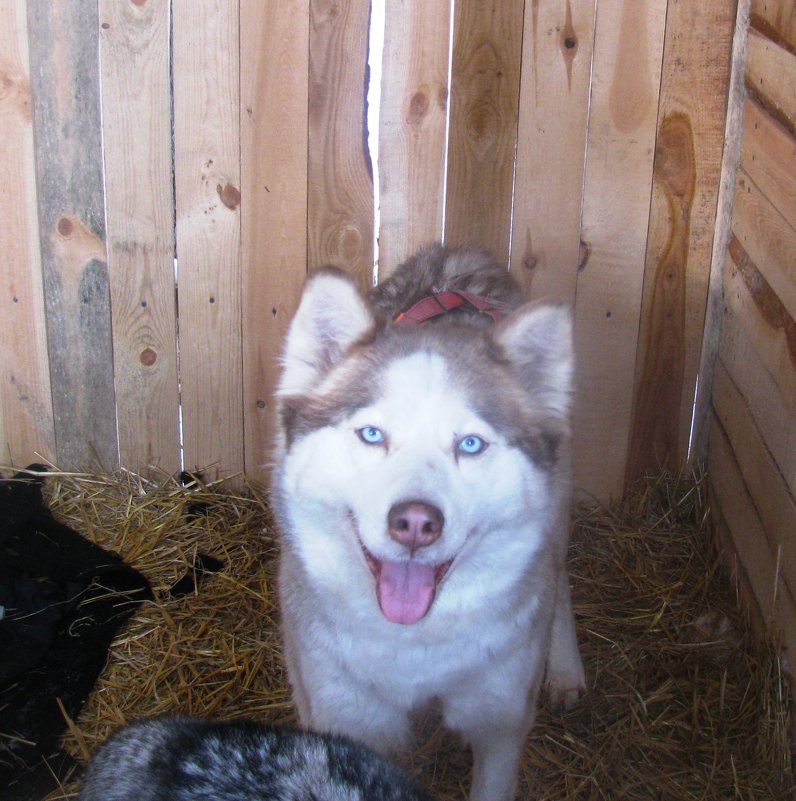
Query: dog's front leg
column 566, row 680
column 331, row 700
column 496, row 761
column 495, row 719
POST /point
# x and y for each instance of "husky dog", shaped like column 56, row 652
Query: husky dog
column 423, row 495
column 187, row 759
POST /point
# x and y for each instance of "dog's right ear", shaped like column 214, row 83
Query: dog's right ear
column 331, row 316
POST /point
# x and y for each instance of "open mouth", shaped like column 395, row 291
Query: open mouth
column 405, row 588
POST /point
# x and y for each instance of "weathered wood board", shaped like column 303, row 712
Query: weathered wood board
column 622, row 120
column 777, row 18
column 26, row 417
column 558, row 40
column 688, row 157
column 136, row 100
column 340, row 176
column 70, row 195
column 760, row 472
column 771, row 76
column 737, row 511
column 485, row 85
column 769, row 159
column 758, row 350
column 274, row 42
column 208, row 198
column 767, row 237
column 412, row 128
column 751, row 460
column 722, row 232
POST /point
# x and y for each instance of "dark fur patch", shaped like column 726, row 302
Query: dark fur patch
column 437, row 268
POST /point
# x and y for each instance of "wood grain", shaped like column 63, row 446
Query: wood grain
column 771, row 76
column 686, row 177
column 733, row 134
column 340, row 179
column 767, row 237
column 26, row 417
column 557, row 48
column 771, row 330
column 67, row 120
column 208, row 197
column 413, row 122
column 737, row 509
column 767, row 487
column 622, row 123
column 777, row 18
column 743, row 580
column 772, row 410
column 485, row 85
column 274, row 41
column 769, row 159
column 134, row 50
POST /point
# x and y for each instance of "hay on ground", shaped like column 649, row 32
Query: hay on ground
column 683, row 702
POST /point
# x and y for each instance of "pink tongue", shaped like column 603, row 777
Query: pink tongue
column 406, row 590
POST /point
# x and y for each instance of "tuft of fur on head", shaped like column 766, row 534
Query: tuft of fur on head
column 438, row 268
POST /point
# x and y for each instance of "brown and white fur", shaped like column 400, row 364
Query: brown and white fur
column 423, row 496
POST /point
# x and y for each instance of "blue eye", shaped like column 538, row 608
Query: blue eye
column 371, row 435
column 471, row 445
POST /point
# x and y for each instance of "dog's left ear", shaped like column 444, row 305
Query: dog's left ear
column 331, row 316
column 537, row 341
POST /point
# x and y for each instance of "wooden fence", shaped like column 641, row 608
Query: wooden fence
column 752, row 432
column 170, row 170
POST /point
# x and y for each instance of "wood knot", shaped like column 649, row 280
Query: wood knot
column 65, row 226
column 229, row 195
column 583, row 255
column 418, row 107
column 148, row 357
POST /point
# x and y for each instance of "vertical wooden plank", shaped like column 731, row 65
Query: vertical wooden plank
column 733, row 133
column 207, row 196
column 340, row 179
column 485, row 85
column 413, row 124
column 65, row 81
column 274, row 45
column 136, row 100
column 26, row 417
column 624, row 103
column 687, row 170
column 557, row 51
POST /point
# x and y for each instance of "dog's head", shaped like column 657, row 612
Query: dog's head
column 415, row 456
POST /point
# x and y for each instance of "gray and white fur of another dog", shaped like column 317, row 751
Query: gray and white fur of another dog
column 175, row 758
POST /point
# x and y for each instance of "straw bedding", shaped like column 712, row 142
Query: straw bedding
column 683, row 703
